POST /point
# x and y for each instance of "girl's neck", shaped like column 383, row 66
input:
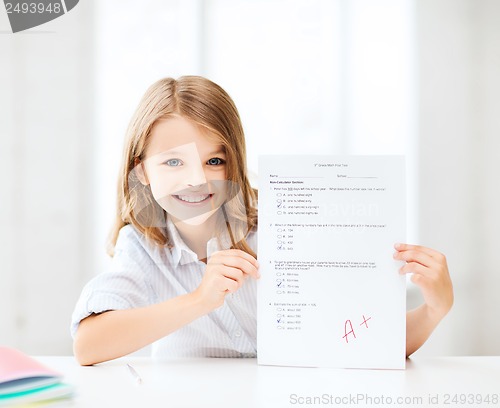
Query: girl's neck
column 197, row 236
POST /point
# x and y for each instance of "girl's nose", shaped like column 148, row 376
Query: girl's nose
column 195, row 176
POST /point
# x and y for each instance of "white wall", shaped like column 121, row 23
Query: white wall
column 488, row 204
column 46, row 134
column 459, row 152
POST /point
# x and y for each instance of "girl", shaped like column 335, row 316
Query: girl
column 184, row 267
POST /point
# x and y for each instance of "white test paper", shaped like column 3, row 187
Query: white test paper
column 330, row 294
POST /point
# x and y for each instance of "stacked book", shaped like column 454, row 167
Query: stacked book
column 23, row 380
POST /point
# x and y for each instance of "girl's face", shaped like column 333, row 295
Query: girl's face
column 186, row 168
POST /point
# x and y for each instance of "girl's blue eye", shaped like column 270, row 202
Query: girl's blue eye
column 215, row 161
column 173, row 162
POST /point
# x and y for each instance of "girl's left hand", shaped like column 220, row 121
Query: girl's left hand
column 430, row 274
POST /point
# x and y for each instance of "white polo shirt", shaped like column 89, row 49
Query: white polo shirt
column 143, row 274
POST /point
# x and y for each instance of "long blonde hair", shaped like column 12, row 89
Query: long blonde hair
column 208, row 105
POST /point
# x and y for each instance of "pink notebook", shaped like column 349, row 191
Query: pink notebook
column 24, row 379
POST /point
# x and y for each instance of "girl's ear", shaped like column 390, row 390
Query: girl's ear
column 140, row 171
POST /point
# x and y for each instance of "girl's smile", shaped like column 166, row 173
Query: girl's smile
column 193, row 200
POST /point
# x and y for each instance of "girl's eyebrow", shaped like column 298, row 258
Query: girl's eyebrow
column 178, row 153
column 174, row 152
column 181, row 153
column 219, row 151
column 169, row 153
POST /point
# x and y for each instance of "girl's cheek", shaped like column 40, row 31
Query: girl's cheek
column 216, row 174
column 166, row 182
column 161, row 188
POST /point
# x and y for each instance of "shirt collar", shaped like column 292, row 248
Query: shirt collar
column 182, row 254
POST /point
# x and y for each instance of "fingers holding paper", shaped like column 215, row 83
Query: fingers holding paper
column 430, row 273
column 226, row 272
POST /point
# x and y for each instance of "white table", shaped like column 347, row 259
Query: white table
column 242, row 383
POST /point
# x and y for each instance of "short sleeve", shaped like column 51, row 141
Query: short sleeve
column 123, row 286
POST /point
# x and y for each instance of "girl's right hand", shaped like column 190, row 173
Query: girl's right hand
column 226, row 271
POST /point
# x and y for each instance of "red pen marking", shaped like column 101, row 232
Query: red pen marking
column 365, row 320
column 351, row 331
column 346, row 335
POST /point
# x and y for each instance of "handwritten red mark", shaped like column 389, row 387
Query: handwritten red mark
column 348, row 324
column 365, row 320
column 346, row 335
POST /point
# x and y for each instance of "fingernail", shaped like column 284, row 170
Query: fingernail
column 395, row 254
column 398, row 245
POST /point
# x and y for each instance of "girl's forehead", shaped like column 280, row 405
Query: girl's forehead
column 175, row 132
